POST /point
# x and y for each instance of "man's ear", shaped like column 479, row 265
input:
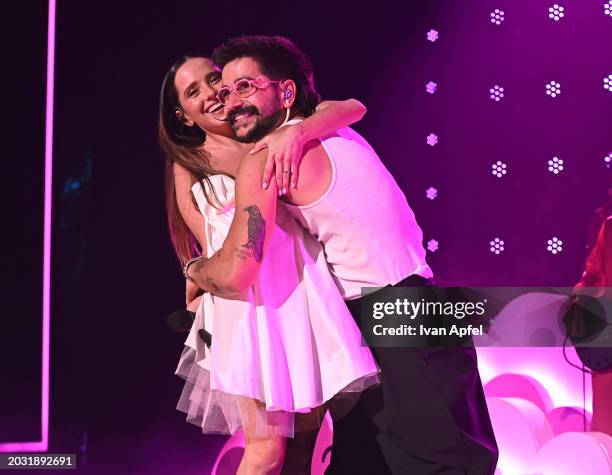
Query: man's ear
column 182, row 117
column 289, row 91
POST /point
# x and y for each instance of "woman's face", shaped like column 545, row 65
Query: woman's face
column 196, row 83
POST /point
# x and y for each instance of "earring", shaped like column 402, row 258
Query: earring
column 180, row 115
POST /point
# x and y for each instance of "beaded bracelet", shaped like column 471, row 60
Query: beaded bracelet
column 188, row 263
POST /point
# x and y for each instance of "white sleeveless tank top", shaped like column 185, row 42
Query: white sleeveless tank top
column 369, row 233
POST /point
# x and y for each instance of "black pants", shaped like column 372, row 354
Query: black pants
column 429, row 416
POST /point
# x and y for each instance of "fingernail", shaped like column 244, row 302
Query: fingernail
column 264, row 185
column 293, row 184
column 284, row 191
column 280, row 193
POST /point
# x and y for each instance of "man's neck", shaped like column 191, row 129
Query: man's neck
column 286, row 122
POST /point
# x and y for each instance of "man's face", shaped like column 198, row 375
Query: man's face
column 253, row 117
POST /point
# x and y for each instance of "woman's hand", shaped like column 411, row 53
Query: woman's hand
column 192, row 291
column 285, row 149
column 194, row 304
column 286, row 145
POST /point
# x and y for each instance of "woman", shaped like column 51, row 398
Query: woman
column 597, row 279
column 287, row 348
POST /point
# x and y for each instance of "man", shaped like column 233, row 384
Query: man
column 434, row 418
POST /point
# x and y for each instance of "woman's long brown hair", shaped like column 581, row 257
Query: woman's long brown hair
column 182, row 145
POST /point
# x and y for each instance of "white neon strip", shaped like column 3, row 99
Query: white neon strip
column 43, row 444
column 47, row 242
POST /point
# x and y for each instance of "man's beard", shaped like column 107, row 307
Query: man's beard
column 262, row 127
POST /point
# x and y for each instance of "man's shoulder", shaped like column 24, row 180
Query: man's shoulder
column 351, row 137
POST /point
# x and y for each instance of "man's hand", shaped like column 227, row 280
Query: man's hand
column 192, row 291
column 285, row 150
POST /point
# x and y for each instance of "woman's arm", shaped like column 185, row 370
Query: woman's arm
column 285, row 145
column 192, row 217
column 190, row 214
column 331, row 116
column 593, row 275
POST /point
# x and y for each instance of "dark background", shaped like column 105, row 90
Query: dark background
column 115, row 276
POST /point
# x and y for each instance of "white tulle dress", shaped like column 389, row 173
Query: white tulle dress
column 284, row 353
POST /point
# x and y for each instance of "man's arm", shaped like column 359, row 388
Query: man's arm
column 235, row 266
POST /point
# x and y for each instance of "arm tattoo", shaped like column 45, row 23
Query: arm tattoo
column 256, row 231
column 243, row 254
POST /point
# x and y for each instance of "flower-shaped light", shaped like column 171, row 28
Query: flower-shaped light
column 554, row 245
column 496, row 246
column 556, row 12
column 499, row 169
column 432, row 245
column 431, row 193
column 553, row 88
column 555, row 165
column 496, row 93
column 497, row 16
column 432, row 35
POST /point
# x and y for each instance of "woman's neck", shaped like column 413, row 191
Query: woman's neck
column 225, row 153
column 215, row 139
